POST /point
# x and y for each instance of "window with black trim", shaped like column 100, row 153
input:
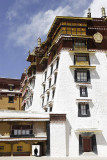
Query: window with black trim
column 11, row 99
column 55, row 78
column 1, row 147
column 19, row 148
column 82, row 75
column 50, row 110
column 53, row 93
column 43, row 88
column 57, row 63
column 42, row 101
column 45, row 76
column 49, row 83
column 18, row 130
column 47, row 97
column 51, row 69
column 83, row 110
column 83, row 92
column 80, row 59
column 11, row 88
column 80, row 44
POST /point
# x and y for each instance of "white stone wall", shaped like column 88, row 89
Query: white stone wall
column 37, row 91
column 39, row 129
column 57, row 139
column 67, row 91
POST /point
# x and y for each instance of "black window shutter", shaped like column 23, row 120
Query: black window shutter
column 79, row 110
column 80, row 144
column 80, row 91
column 75, row 75
column 88, row 75
column 74, row 59
column 87, row 110
column 94, row 145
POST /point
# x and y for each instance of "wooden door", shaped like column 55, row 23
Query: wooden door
column 86, row 144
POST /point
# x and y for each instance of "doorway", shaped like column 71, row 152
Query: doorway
column 87, row 147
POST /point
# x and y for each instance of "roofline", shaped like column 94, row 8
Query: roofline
column 67, row 17
column 10, row 78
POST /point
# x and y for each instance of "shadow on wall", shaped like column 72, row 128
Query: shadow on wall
column 94, row 60
column 68, row 133
column 94, row 75
column 101, row 140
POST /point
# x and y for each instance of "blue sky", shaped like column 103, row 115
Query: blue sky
column 23, row 21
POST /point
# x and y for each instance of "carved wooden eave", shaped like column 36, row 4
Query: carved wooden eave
column 82, row 67
column 44, row 59
column 59, row 19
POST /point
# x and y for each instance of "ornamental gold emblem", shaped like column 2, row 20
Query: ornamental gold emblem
column 98, row 37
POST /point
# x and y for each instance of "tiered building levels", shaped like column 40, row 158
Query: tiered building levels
column 65, row 90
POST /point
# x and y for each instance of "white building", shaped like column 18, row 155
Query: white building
column 71, row 84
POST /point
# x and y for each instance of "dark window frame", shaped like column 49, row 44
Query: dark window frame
column 87, row 110
column 81, row 55
column 55, row 78
column 19, row 148
column 11, row 99
column 82, row 71
column 85, row 90
column 49, row 83
column 1, row 148
column 51, row 69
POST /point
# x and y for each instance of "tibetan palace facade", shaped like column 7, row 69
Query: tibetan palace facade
column 64, row 92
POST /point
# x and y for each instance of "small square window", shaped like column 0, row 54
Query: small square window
column 83, row 92
column 1, row 147
column 83, row 110
column 10, row 88
column 11, row 99
column 19, row 148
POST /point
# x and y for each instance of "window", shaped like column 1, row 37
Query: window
column 19, row 148
column 83, row 110
column 53, row 93
column 50, row 110
column 1, row 147
column 57, row 63
column 82, row 76
column 80, row 43
column 83, row 92
column 45, row 75
column 10, row 88
column 81, row 59
column 47, row 97
column 49, row 83
column 51, row 69
column 22, row 130
column 42, row 101
column 55, row 78
column 11, row 99
column 43, row 88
